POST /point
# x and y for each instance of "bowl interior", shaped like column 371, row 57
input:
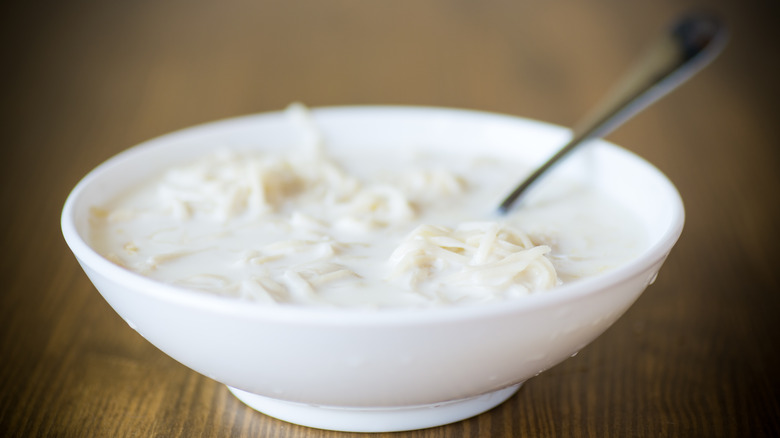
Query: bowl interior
column 630, row 180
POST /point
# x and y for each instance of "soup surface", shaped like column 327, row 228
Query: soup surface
column 409, row 226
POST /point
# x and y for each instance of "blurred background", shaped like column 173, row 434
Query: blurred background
column 85, row 80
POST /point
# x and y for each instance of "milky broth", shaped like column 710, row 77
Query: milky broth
column 408, row 226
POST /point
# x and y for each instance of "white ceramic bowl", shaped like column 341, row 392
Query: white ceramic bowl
column 385, row 370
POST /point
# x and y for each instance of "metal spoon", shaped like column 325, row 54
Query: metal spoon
column 689, row 45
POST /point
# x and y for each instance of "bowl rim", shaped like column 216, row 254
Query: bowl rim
column 362, row 317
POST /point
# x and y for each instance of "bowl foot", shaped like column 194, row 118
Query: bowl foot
column 391, row 419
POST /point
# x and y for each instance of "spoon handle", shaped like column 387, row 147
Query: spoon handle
column 689, row 45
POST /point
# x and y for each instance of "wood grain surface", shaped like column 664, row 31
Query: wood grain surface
column 696, row 356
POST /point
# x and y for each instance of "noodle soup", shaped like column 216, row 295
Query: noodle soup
column 323, row 225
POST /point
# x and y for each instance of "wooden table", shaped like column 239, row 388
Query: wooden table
column 697, row 355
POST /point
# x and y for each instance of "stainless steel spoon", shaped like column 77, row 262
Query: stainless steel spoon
column 689, row 45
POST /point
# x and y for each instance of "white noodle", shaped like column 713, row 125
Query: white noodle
column 488, row 254
column 309, row 204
